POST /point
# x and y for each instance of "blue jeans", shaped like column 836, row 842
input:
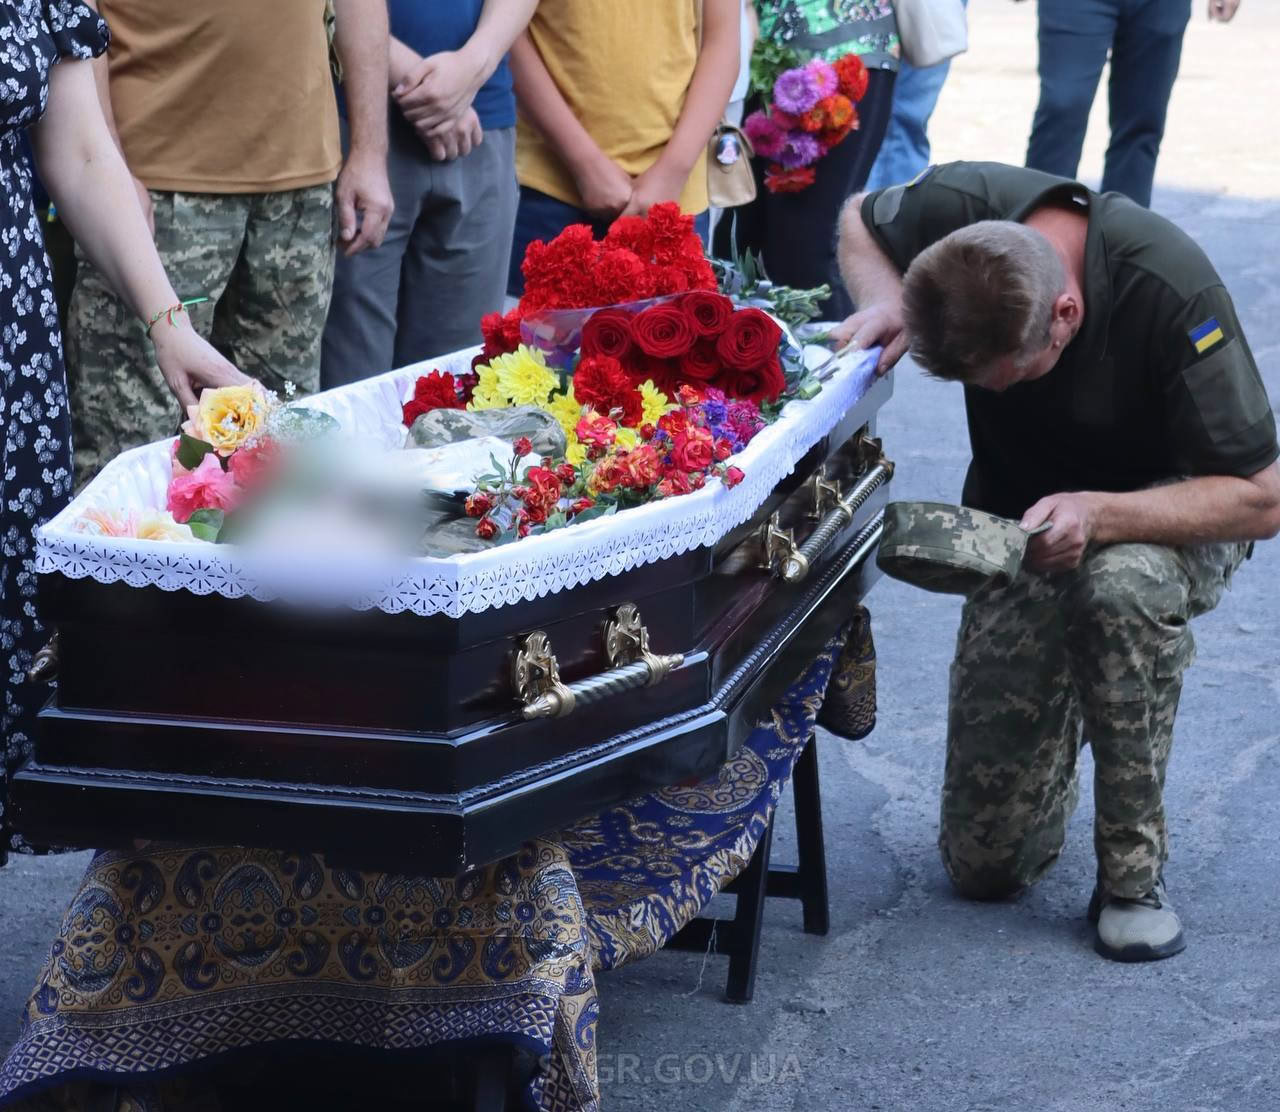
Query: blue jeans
column 1144, row 38
column 542, row 217
column 905, row 149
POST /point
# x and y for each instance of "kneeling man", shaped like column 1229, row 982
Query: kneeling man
column 1111, row 392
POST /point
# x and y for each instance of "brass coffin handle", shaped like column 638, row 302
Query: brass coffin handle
column 44, row 665
column 797, row 564
column 536, row 673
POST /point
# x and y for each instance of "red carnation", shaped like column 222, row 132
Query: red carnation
column 632, row 233
column 619, row 275
column 851, row 72
column 708, row 313
column 757, row 384
column 433, row 391
column 608, row 333
column 701, row 362
column 779, row 180
column 601, row 383
column 663, row 331
column 749, row 339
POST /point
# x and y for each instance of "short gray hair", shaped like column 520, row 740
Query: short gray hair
column 981, row 294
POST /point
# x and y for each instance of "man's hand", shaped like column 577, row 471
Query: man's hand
column 439, row 89
column 1073, row 519
column 658, row 183
column 605, row 188
column 363, row 188
column 456, row 140
column 1223, row 10
column 876, row 324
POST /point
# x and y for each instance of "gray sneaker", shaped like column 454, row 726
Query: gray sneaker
column 1145, row 929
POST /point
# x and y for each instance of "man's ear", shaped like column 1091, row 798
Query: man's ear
column 1065, row 321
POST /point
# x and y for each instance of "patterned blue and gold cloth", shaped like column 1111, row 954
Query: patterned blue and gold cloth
column 175, row 961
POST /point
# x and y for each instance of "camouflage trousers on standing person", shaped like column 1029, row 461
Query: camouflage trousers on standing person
column 1052, row 661
column 264, row 261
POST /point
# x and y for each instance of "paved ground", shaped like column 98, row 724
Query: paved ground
column 917, row 1000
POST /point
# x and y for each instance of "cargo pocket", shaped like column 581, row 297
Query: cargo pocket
column 1176, row 655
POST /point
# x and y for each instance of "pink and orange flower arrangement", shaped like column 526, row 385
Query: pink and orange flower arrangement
column 811, row 109
column 224, row 451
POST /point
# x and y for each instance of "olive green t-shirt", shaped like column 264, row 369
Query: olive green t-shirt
column 1158, row 384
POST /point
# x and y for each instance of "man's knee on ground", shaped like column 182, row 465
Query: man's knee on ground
column 982, row 878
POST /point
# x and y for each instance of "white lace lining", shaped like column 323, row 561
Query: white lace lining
column 458, row 585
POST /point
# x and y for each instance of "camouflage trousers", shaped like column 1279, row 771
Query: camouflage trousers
column 264, row 261
column 1052, row 661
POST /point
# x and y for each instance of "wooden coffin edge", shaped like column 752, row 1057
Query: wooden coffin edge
column 448, row 833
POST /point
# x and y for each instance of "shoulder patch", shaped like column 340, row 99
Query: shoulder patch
column 921, row 176
column 1207, row 335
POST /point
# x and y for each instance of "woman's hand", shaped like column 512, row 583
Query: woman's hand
column 189, row 362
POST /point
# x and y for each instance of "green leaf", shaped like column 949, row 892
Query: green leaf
column 207, row 524
column 191, row 451
column 597, row 510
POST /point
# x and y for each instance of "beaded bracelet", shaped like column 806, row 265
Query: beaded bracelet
column 168, row 314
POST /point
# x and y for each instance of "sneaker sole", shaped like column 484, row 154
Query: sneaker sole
column 1140, row 951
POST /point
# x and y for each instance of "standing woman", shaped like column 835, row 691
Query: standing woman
column 796, row 232
column 47, row 86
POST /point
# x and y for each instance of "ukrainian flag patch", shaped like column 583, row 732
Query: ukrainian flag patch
column 1204, row 336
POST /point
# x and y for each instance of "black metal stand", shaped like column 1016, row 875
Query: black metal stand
column 806, row 881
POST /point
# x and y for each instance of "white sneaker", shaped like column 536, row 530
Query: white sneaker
column 1145, row 929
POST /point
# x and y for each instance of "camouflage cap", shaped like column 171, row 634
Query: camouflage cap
column 949, row 549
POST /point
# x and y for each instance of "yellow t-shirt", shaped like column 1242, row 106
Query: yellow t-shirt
column 624, row 67
column 232, row 97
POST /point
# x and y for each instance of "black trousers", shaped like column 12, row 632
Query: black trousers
column 795, row 233
column 1144, row 38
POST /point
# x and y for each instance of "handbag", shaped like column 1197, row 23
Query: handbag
column 730, row 180
column 931, row 31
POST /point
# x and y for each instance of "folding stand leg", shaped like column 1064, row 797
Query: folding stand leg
column 748, row 919
column 810, row 843
column 490, row 1083
column 739, row 937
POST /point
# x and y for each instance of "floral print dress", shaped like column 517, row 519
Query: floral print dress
column 829, row 28
column 35, row 477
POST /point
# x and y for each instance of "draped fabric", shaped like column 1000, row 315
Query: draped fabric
column 176, row 958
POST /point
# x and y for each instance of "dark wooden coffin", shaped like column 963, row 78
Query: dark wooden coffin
column 435, row 743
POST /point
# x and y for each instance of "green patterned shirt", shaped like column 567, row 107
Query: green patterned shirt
column 831, row 28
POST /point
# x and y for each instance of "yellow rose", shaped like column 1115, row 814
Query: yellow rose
column 161, row 527
column 228, row 416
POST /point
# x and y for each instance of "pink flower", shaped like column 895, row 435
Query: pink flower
column 765, row 135
column 208, row 487
column 796, row 91
column 825, row 76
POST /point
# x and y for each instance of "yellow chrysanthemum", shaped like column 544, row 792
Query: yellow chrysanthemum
column 656, row 403
column 524, row 377
column 487, row 394
column 576, row 452
column 626, row 438
column 566, row 409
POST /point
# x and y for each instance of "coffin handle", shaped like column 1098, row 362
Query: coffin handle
column 797, row 565
column 44, row 665
column 536, row 673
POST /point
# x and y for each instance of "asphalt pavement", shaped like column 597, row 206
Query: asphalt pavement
column 918, row 1000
